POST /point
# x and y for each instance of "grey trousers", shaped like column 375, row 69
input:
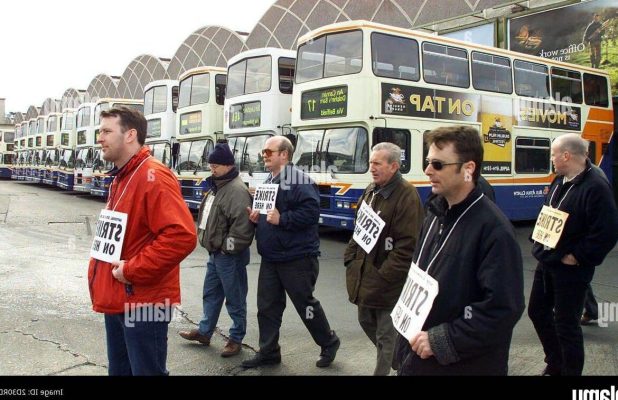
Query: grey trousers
column 378, row 326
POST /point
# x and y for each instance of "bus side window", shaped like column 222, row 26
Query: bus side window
column 595, row 90
column 532, row 155
column 400, row 137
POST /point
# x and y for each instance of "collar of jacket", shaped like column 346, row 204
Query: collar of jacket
column 286, row 170
column 439, row 206
column 579, row 177
column 218, row 183
column 386, row 190
column 133, row 162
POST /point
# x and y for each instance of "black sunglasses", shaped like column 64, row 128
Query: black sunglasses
column 438, row 165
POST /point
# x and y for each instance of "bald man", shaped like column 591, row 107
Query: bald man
column 585, row 219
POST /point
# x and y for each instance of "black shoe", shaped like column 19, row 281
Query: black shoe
column 260, row 360
column 327, row 356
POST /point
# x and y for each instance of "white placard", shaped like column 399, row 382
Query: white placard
column 265, row 197
column 206, row 210
column 549, row 226
column 109, row 236
column 415, row 302
column 367, row 227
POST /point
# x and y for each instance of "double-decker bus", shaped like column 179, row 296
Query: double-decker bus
column 52, row 142
column 100, row 168
column 18, row 152
column 199, row 125
column 7, row 153
column 37, row 170
column 32, row 160
column 24, row 152
column 84, row 150
column 359, row 83
column 66, row 156
column 160, row 105
column 258, row 103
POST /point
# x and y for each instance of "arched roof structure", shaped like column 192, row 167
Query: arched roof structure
column 287, row 20
column 140, row 72
column 209, row 46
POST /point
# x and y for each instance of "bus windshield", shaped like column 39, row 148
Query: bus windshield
column 344, row 150
column 248, row 152
column 194, row 90
column 194, row 155
column 252, row 75
column 330, row 55
column 155, row 100
column 66, row 159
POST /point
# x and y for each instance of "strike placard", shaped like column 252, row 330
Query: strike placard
column 549, row 226
column 109, row 236
column 367, row 228
column 415, row 302
column 265, row 197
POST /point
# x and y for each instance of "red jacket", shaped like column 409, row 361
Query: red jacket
column 160, row 234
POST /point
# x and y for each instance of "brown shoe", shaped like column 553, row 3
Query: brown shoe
column 231, row 349
column 195, row 334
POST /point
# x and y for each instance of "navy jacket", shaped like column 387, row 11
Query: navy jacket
column 296, row 236
column 480, row 274
column 591, row 230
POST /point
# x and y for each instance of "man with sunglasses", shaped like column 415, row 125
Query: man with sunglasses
column 375, row 276
column 287, row 239
column 583, row 205
column 467, row 253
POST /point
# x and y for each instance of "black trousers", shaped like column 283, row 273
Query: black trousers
column 591, row 307
column 556, row 303
column 296, row 278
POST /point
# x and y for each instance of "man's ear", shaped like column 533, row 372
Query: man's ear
column 470, row 167
column 130, row 136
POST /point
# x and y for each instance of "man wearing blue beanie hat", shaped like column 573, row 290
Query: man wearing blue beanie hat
column 226, row 233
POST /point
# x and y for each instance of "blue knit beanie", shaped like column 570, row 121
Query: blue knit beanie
column 221, row 155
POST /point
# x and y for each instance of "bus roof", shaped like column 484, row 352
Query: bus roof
column 350, row 25
column 261, row 52
column 201, row 70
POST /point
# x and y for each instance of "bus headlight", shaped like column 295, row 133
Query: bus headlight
column 198, row 193
column 340, row 204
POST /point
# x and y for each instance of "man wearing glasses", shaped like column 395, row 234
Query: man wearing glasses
column 287, row 239
column 468, row 253
column 375, row 274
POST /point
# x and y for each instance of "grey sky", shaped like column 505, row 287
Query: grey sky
column 50, row 46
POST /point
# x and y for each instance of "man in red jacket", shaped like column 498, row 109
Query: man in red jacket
column 142, row 235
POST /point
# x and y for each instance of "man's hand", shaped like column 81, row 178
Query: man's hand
column 569, row 259
column 254, row 215
column 420, row 345
column 117, row 271
column 273, row 216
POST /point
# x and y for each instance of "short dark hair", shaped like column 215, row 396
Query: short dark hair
column 466, row 141
column 129, row 119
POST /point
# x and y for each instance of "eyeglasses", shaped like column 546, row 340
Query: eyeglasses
column 438, row 165
column 269, row 152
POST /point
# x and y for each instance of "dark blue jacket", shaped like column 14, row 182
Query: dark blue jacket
column 591, row 230
column 296, row 236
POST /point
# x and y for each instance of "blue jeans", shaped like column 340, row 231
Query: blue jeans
column 138, row 348
column 226, row 278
